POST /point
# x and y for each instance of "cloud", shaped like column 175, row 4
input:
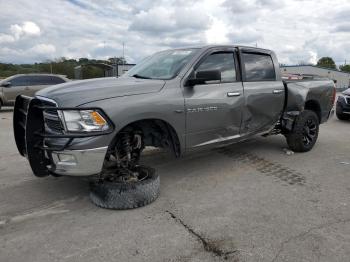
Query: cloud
column 27, row 28
column 245, row 36
column 155, row 20
column 162, row 20
column 296, row 30
column 4, row 38
column 43, row 49
column 344, row 27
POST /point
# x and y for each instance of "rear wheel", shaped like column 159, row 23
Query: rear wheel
column 340, row 114
column 305, row 132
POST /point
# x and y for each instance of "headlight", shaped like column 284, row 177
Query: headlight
column 344, row 98
column 83, row 121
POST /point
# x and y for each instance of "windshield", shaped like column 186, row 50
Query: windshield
column 163, row 65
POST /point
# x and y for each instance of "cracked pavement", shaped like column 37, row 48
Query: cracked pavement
column 245, row 202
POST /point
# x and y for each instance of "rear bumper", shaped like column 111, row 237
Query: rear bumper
column 78, row 162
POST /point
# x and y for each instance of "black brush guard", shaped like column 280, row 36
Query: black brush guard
column 30, row 133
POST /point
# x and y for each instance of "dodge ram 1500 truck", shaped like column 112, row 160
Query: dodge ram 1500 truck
column 182, row 99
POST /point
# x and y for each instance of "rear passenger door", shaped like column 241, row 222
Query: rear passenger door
column 263, row 91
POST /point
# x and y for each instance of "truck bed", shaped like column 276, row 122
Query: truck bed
column 316, row 93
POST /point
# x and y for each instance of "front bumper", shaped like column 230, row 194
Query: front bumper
column 78, row 162
column 343, row 104
column 56, row 152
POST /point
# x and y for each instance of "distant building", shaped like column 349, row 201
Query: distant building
column 108, row 70
column 342, row 79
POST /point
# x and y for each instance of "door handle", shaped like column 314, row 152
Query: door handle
column 277, row 91
column 26, row 88
column 231, row 94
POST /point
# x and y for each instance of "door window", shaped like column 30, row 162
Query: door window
column 224, row 62
column 20, row 81
column 40, row 80
column 258, row 67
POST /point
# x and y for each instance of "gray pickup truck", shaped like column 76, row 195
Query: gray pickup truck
column 182, row 99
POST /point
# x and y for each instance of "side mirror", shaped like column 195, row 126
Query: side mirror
column 6, row 84
column 204, row 76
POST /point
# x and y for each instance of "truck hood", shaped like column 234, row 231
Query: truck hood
column 76, row 93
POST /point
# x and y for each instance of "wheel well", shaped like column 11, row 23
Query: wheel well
column 314, row 106
column 157, row 133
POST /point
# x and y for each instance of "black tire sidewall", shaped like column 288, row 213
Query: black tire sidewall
column 295, row 138
column 126, row 195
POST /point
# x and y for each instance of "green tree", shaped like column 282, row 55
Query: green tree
column 345, row 68
column 83, row 60
column 117, row 60
column 327, row 62
column 60, row 65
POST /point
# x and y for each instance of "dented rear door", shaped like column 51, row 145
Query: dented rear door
column 264, row 91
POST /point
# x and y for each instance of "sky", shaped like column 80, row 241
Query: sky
column 299, row 31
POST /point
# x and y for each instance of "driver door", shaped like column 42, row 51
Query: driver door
column 214, row 108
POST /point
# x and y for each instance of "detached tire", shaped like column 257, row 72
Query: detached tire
column 129, row 195
column 305, row 132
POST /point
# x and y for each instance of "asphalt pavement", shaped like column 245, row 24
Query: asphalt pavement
column 246, row 202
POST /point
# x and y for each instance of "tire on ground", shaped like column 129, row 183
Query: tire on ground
column 128, row 195
column 295, row 138
column 340, row 114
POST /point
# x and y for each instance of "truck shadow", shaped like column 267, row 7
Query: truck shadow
column 38, row 192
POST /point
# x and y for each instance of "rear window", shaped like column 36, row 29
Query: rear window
column 40, row 80
column 258, row 67
column 57, row 80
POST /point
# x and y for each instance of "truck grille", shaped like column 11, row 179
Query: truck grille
column 52, row 120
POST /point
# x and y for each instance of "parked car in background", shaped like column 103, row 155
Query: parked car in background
column 343, row 105
column 26, row 84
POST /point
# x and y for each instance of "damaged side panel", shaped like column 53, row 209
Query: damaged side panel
column 299, row 94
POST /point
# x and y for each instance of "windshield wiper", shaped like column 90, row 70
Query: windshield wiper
column 142, row 77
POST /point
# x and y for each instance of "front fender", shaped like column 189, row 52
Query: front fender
column 167, row 106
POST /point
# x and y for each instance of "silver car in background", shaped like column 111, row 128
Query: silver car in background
column 26, row 84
